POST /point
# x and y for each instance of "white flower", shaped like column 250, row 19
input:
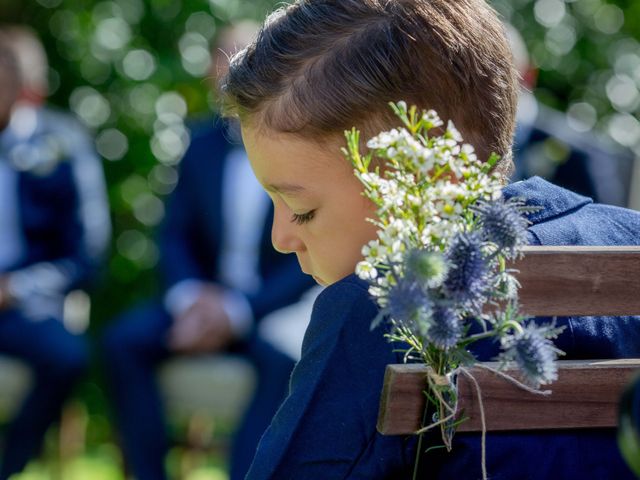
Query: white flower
column 469, row 152
column 386, row 281
column 373, row 252
column 366, row 271
column 432, row 118
column 453, row 132
column 395, row 231
column 378, row 293
column 388, row 139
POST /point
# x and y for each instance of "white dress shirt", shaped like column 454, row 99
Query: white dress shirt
column 245, row 206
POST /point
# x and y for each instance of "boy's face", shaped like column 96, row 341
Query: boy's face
column 320, row 214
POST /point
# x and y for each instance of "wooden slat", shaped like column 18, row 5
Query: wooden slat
column 402, row 402
column 580, row 281
column 586, row 395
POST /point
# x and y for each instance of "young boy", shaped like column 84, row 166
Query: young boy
column 318, row 68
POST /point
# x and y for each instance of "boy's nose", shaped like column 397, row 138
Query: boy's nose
column 283, row 235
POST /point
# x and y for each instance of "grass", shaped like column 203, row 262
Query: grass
column 98, row 466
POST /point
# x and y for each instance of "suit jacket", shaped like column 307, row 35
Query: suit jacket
column 326, row 429
column 192, row 234
column 63, row 216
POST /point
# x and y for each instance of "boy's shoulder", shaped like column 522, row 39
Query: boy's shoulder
column 566, row 218
column 348, row 298
column 342, row 315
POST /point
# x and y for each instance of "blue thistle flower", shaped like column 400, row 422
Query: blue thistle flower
column 428, row 268
column 468, row 280
column 533, row 352
column 445, row 328
column 503, row 223
column 408, row 302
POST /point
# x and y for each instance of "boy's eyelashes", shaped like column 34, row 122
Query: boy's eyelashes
column 302, row 218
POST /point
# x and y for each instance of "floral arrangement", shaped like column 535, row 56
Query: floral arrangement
column 438, row 269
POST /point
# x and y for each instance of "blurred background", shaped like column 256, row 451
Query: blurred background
column 134, row 72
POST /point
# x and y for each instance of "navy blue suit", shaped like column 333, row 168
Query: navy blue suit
column 60, row 229
column 190, row 245
column 326, row 429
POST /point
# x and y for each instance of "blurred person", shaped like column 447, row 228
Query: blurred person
column 547, row 145
column 54, row 229
column 222, row 278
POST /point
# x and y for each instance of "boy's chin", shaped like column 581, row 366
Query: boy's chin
column 320, row 281
column 324, row 282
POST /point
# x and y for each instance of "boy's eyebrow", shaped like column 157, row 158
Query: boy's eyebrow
column 286, row 188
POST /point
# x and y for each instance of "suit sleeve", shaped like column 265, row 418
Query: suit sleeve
column 85, row 230
column 326, row 428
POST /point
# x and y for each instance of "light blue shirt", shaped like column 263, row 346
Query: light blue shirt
column 11, row 244
column 245, row 206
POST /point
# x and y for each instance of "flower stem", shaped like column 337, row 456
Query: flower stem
column 476, row 337
column 419, row 447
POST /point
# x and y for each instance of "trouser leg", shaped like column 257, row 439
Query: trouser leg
column 58, row 359
column 133, row 346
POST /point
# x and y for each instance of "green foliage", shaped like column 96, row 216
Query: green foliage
column 587, row 53
column 628, row 426
column 133, row 71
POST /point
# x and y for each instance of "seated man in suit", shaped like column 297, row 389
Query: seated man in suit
column 54, row 228
column 222, row 277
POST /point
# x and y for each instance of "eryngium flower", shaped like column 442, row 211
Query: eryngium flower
column 408, row 303
column 468, row 279
column 445, row 328
column 533, row 352
column 428, row 268
column 503, row 223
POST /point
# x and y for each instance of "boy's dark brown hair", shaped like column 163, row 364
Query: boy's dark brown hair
column 319, row 67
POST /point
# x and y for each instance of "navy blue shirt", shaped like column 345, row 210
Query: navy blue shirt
column 326, row 429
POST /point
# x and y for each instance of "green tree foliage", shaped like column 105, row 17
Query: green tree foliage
column 135, row 70
column 588, row 56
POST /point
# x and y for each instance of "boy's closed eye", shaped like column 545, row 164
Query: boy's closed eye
column 302, row 218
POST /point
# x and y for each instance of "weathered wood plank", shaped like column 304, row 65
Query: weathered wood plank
column 586, row 395
column 564, row 281
column 402, row 402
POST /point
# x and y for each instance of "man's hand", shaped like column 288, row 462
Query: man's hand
column 204, row 327
column 5, row 297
